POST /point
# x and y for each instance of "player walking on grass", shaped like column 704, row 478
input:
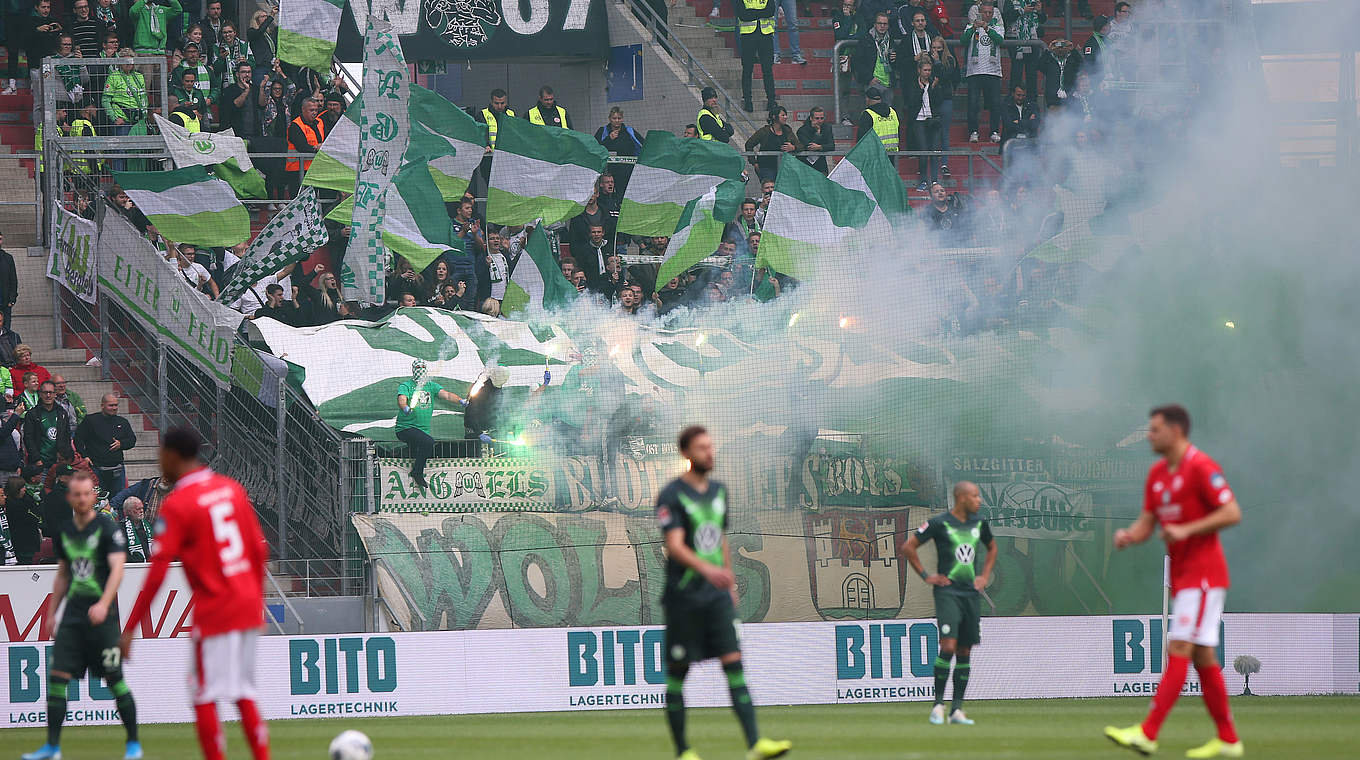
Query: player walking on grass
column 208, row 523
column 699, row 603
column 90, row 552
column 958, row 534
column 1188, row 496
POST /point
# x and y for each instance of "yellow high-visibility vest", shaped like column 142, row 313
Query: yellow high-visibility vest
column 536, row 116
column 766, row 24
column 490, row 117
column 699, row 123
column 886, row 127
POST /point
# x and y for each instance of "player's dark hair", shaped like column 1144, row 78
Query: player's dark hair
column 184, row 442
column 688, row 435
column 1174, row 414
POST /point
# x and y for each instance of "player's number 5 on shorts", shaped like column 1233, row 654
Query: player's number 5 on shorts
column 226, row 532
column 110, row 656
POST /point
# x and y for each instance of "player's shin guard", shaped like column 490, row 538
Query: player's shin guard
column 941, row 676
column 741, row 701
column 256, row 730
column 1216, row 699
column 127, row 707
column 210, row 738
column 56, row 708
column 961, row 672
column 675, row 706
column 1167, row 693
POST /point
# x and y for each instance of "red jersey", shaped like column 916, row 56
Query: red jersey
column 1195, row 489
column 208, row 523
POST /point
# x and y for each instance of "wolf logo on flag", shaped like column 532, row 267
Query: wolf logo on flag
column 853, row 563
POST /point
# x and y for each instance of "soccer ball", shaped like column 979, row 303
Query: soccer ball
column 351, row 745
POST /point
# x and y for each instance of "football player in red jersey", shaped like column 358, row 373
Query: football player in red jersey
column 208, row 524
column 1187, row 495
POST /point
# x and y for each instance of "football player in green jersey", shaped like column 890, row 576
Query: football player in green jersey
column 958, row 535
column 699, row 603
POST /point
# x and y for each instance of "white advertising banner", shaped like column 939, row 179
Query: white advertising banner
column 529, row 670
column 71, row 258
column 25, row 589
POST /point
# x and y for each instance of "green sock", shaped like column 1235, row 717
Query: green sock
column 741, row 701
column 941, row 676
column 961, row 668
column 127, row 707
column 56, row 709
column 675, row 710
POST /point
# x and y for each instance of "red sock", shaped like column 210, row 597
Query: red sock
column 1167, row 693
column 1216, row 699
column 257, row 731
column 209, row 732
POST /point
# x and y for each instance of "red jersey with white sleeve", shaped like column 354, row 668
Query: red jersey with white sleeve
column 208, row 523
column 1195, row 489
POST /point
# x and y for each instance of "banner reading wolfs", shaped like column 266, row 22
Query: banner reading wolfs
column 384, row 131
column 71, row 257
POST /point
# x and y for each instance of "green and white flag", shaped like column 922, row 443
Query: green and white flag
column 866, row 168
column 383, row 135
column 671, row 172
column 464, row 139
column 700, row 229
column 188, row 206
column 71, row 257
column 292, row 235
column 416, row 225
column 246, row 184
column 808, row 214
column 537, row 278
column 541, row 172
column 307, row 31
column 336, row 162
column 201, row 148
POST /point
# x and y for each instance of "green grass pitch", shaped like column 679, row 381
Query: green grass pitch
column 1315, row 728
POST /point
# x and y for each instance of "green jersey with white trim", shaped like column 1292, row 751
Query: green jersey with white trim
column 960, row 546
column 703, row 517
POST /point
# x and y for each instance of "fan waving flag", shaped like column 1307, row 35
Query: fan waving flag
column 541, row 172
column 292, row 235
column 700, row 229
column 307, row 31
column 188, row 206
column 808, row 213
column 537, row 279
column 671, row 172
column 866, row 168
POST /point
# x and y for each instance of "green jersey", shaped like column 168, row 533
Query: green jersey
column 420, row 402
column 86, row 550
column 703, row 517
column 960, row 546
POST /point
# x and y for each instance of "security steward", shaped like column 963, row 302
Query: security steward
column 710, row 121
column 755, row 22
column 305, row 135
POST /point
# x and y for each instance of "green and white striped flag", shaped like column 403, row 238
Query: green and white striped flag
column 201, row 148
column 464, row 140
column 292, row 235
column 671, row 172
column 700, row 228
column 808, row 213
column 541, row 172
column 537, row 279
column 188, row 206
column 866, row 168
column 384, row 131
column 336, row 162
column 307, row 31
column 246, row 184
column 416, row 225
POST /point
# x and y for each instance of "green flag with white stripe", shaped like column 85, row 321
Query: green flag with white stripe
column 537, row 279
column 336, row 162
column 866, row 168
column 808, row 213
column 672, row 172
column 188, row 206
column 307, row 31
column 700, row 229
column 541, row 172
column 416, row 225
column 453, row 145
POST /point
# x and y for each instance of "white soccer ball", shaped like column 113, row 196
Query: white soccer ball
column 351, row 745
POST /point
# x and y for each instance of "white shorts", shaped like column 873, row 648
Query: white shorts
column 224, row 667
column 1196, row 614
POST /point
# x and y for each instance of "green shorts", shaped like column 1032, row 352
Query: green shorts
column 959, row 616
column 700, row 629
column 81, row 646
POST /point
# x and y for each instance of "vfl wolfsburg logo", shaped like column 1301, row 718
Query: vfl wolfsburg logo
column 82, row 568
column 203, row 146
column 964, row 554
column 708, row 539
column 463, row 23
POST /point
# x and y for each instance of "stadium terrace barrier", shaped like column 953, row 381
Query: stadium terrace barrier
column 381, row 675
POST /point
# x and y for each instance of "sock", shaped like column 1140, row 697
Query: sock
column 675, row 709
column 961, row 669
column 56, row 708
column 1216, row 699
column 257, row 731
column 941, row 676
column 210, row 738
column 741, row 701
column 1167, row 693
column 127, row 707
